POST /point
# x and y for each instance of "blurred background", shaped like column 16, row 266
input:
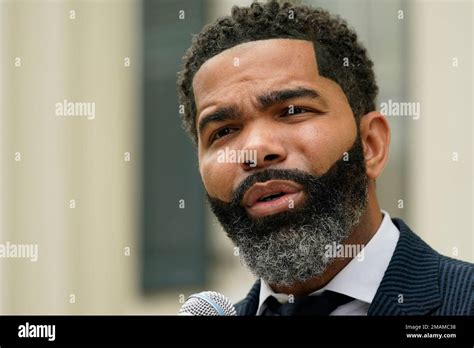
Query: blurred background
column 115, row 203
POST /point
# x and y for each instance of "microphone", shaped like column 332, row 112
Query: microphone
column 207, row 303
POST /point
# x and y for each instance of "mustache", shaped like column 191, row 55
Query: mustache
column 343, row 170
column 299, row 176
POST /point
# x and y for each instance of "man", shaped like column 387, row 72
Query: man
column 294, row 86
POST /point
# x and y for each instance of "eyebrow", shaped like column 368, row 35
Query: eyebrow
column 266, row 101
column 221, row 114
column 277, row 97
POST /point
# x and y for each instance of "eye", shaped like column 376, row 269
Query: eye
column 295, row 110
column 220, row 133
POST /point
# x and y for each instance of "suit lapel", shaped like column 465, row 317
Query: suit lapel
column 249, row 305
column 410, row 283
column 409, row 286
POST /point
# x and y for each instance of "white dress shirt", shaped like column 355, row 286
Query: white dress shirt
column 358, row 279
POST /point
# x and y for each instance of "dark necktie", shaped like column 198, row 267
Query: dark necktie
column 322, row 304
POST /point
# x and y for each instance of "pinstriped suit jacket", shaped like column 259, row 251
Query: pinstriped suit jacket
column 429, row 283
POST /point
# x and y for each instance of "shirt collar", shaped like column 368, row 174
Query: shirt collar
column 361, row 277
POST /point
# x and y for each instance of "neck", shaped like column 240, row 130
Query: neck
column 361, row 234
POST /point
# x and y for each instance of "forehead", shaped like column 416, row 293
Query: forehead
column 255, row 67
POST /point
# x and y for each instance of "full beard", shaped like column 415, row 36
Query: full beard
column 290, row 247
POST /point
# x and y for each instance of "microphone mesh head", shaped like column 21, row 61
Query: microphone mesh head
column 207, row 303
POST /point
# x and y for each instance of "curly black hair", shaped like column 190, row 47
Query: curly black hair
column 340, row 56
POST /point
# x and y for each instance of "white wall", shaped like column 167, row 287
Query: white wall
column 440, row 190
column 64, row 158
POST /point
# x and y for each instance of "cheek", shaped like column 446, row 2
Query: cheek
column 322, row 142
column 217, row 177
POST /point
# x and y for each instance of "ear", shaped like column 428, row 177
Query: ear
column 375, row 133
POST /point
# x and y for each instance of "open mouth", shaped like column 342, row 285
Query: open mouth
column 271, row 197
column 276, row 203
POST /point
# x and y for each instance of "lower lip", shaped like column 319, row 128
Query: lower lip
column 286, row 202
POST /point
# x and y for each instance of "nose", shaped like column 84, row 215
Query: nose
column 266, row 146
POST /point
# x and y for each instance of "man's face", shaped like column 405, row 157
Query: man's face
column 311, row 140
column 267, row 97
